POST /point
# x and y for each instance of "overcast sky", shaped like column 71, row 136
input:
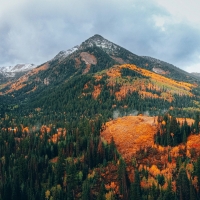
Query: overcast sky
column 34, row 31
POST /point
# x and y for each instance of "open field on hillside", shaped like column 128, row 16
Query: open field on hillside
column 131, row 133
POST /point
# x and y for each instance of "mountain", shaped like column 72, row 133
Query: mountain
column 99, row 66
column 10, row 73
column 93, row 55
column 99, row 122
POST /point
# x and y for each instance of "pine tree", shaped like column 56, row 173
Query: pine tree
column 182, row 185
column 161, row 179
column 169, row 138
column 122, row 177
column 60, row 168
column 135, row 193
column 197, row 171
column 174, row 129
column 168, row 193
column 192, row 192
column 184, row 137
column 101, row 195
column 86, row 190
column 196, row 123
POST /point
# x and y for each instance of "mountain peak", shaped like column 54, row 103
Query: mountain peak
column 101, row 42
column 95, row 39
column 96, row 36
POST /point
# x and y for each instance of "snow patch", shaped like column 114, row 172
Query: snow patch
column 63, row 54
column 18, row 68
column 9, row 71
column 101, row 42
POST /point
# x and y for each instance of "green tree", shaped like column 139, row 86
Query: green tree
column 197, row 171
column 135, row 192
column 101, row 195
column 182, row 185
column 60, row 167
column 196, row 123
column 86, row 190
column 184, row 137
column 122, row 177
column 169, row 192
column 192, row 192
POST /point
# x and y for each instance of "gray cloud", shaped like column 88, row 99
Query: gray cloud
column 34, row 31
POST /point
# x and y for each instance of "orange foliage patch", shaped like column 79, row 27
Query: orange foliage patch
column 124, row 91
column 194, row 142
column 182, row 120
column 157, row 77
column 38, row 69
column 60, row 132
column 148, row 94
column 4, row 85
column 130, row 133
column 167, row 96
column 112, row 186
column 114, row 72
column 25, row 129
column 14, row 130
column 97, row 91
column 85, row 86
column 98, row 78
column 45, row 129
column 154, row 170
column 139, row 85
column 155, row 82
column 20, row 83
column 148, row 183
column 54, row 138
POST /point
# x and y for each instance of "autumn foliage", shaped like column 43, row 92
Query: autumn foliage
column 134, row 137
column 149, row 82
column 130, row 133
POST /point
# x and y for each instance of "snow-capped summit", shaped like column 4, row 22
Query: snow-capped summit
column 96, row 40
column 101, row 42
column 9, row 71
column 63, row 54
column 18, row 68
